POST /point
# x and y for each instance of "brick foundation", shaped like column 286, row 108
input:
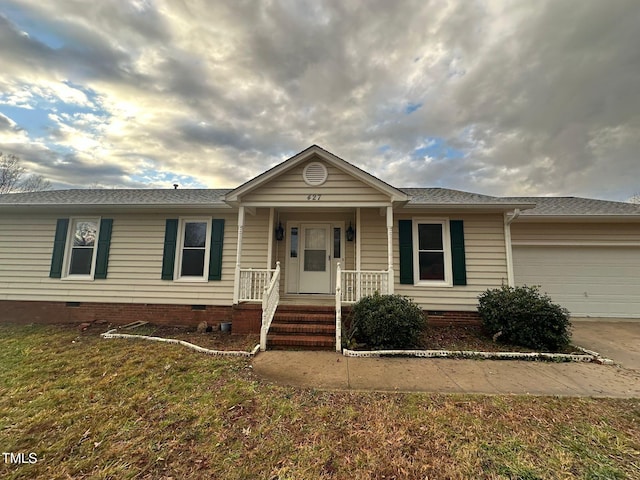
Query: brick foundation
column 245, row 318
column 114, row 313
column 442, row 318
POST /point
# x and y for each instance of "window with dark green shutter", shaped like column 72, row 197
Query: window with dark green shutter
column 169, row 254
column 217, row 240
column 458, row 258
column 193, row 249
column 406, row 251
column 57, row 257
column 437, row 252
column 81, row 248
column 104, row 244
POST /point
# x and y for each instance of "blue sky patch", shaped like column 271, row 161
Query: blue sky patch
column 412, row 107
column 37, row 28
column 437, row 147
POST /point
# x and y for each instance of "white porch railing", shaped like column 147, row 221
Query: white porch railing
column 352, row 285
column 270, row 300
column 253, row 282
column 361, row 283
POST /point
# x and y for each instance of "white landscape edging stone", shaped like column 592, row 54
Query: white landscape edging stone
column 567, row 357
column 222, row 353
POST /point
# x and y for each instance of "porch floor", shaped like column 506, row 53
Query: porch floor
column 308, row 299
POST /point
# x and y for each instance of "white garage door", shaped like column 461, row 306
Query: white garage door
column 589, row 281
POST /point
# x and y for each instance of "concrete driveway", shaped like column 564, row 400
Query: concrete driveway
column 618, row 340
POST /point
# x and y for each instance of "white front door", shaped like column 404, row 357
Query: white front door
column 315, row 261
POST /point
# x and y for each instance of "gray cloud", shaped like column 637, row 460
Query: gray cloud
column 539, row 98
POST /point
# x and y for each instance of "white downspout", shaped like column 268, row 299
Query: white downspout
column 508, row 220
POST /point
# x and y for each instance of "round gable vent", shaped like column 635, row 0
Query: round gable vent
column 315, row 174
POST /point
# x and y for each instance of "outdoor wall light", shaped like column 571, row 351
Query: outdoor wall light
column 279, row 232
column 351, row 233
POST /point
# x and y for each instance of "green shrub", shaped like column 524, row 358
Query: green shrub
column 524, row 316
column 385, row 322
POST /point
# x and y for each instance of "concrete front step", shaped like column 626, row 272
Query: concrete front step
column 319, row 342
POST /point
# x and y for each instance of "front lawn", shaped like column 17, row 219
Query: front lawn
column 95, row 408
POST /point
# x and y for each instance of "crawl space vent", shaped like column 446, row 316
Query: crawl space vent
column 315, row 174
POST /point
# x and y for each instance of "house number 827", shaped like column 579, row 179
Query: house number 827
column 313, row 196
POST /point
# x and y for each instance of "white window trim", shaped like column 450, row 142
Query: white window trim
column 66, row 265
column 180, row 248
column 446, row 244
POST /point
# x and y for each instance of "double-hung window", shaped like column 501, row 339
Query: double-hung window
column 82, row 246
column 432, row 258
column 192, row 261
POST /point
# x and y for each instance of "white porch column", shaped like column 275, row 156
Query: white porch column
column 236, row 280
column 390, row 246
column 358, row 262
column 270, row 238
column 358, row 237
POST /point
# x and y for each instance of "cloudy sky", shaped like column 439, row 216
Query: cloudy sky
column 499, row 97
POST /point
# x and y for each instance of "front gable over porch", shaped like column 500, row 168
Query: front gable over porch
column 315, row 178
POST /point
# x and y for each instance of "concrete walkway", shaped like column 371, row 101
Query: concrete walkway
column 615, row 339
column 329, row 370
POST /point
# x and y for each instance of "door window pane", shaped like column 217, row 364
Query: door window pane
column 294, row 242
column 315, row 260
column 336, row 243
column 315, row 238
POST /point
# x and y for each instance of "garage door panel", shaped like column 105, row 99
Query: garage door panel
column 591, row 281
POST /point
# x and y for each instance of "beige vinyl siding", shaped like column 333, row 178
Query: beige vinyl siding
column 575, row 232
column 135, row 263
column 485, row 261
column 255, row 244
column 339, row 187
column 373, row 239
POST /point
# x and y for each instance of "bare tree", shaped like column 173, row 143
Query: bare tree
column 12, row 177
column 635, row 198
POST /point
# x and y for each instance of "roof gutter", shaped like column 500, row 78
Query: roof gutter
column 101, row 206
column 472, row 206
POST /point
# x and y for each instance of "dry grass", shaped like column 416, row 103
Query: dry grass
column 93, row 408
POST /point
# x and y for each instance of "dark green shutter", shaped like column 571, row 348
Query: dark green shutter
column 104, row 241
column 406, row 251
column 457, row 253
column 58, row 248
column 169, row 255
column 215, row 256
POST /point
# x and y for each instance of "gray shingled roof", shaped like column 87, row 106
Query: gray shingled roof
column 552, row 206
column 448, row 196
column 133, row 197
column 545, row 206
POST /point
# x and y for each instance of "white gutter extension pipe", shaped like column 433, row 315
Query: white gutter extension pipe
column 508, row 219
